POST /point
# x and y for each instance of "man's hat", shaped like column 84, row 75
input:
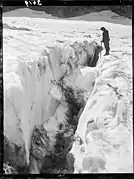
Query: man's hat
column 102, row 28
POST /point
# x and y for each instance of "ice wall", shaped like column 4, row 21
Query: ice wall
column 25, row 96
column 30, row 97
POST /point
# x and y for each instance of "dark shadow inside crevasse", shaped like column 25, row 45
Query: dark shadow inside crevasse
column 92, row 61
column 14, row 156
column 64, row 140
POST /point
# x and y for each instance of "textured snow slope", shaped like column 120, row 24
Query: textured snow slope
column 27, row 97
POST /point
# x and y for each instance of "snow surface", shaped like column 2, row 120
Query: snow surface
column 29, row 96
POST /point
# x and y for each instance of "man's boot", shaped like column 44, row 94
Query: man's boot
column 107, row 53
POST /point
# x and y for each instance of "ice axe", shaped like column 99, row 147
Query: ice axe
column 100, row 51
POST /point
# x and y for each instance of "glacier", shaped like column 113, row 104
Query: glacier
column 103, row 136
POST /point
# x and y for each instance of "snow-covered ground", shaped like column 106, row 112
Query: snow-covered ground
column 28, row 98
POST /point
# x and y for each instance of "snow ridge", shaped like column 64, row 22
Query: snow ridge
column 112, row 135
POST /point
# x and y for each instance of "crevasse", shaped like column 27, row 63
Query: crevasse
column 30, row 97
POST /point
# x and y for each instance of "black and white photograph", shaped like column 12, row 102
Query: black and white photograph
column 67, row 89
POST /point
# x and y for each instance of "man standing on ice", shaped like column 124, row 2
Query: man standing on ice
column 105, row 40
